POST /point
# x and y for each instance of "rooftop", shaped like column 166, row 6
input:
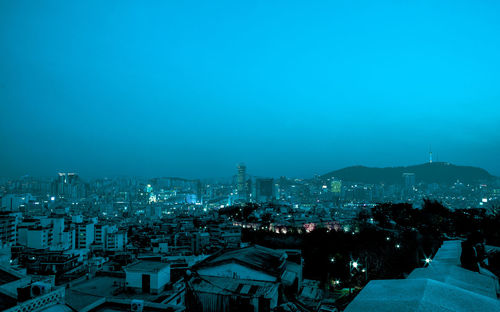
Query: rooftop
column 258, row 257
column 146, row 266
column 229, row 286
column 442, row 286
column 419, row 295
column 8, row 275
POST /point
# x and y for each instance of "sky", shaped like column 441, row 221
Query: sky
column 294, row 88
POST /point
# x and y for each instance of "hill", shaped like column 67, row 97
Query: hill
column 437, row 172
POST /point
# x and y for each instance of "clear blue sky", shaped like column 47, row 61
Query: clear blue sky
column 191, row 88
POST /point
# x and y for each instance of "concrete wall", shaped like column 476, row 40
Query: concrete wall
column 37, row 239
column 158, row 280
column 134, row 279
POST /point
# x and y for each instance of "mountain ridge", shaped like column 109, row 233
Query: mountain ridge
column 436, row 172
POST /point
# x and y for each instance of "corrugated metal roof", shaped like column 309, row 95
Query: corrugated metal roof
column 229, row 286
column 258, row 257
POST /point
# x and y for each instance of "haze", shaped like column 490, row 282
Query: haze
column 191, row 88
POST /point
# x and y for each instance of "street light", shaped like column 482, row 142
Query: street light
column 353, row 265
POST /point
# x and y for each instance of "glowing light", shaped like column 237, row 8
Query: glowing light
column 309, row 227
column 355, row 264
column 397, row 245
column 428, row 260
column 52, row 198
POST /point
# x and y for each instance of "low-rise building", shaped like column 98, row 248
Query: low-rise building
column 147, row 276
column 246, row 279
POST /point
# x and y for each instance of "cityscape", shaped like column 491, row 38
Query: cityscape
column 253, row 156
column 136, row 242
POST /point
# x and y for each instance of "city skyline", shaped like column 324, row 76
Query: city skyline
column 236, row 173
column 265, row 156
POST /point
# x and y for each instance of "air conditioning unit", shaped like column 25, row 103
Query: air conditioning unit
column 40, row 288
column 136, row 305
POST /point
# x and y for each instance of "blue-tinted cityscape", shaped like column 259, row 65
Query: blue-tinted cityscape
column 249, row 156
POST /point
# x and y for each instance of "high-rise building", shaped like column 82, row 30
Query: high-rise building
column 14, row 202
column 264, row 190
column 409, row 183
column 84, row 235
column 69, row 185
column 116, row 240
column 7, row 230
column 39, row 237
column 241, row 181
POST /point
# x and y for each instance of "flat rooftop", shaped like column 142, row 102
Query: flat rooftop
column 103, row 293
column 87, row 292
column 146, row 266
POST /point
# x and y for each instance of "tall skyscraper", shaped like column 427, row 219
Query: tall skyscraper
column 68, row 185
column 409, row 183
column 409, row 180
column 241, row 181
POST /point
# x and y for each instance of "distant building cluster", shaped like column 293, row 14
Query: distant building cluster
column 176, row 244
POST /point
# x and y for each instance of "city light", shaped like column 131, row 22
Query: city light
column 154, row 107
